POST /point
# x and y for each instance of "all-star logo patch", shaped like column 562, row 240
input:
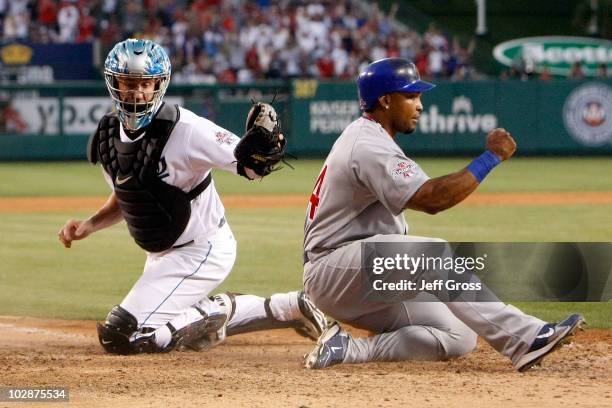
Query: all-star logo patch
column 403, row 168
column 224, row 137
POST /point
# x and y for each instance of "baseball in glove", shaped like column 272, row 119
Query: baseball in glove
column 263, row 146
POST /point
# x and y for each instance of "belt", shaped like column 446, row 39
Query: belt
column 221, row 223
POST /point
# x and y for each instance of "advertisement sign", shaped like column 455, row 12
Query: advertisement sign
column 587, row 114
column 560, row 117
column 81, row 114
column 557, row 53
column 26, row 63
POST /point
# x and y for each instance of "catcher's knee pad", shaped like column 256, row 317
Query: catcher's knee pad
column 115, row 334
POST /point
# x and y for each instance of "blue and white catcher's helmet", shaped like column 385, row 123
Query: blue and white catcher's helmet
column 388, row 75
column 137, row 59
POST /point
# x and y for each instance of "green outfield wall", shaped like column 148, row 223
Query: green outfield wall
column 555, row 117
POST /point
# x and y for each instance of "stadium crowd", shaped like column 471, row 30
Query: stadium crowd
column 242, row 41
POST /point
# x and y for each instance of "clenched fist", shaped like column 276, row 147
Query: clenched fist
column 500, row 142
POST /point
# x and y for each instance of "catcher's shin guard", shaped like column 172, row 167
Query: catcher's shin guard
column 206, row 332
column 116, row 334
column 311, row 324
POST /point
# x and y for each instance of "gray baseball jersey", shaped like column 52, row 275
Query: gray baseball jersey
column 361, row 191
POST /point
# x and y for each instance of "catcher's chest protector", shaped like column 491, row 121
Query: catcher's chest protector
column 156, row 212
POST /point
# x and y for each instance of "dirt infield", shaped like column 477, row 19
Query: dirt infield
column 263, row 370
column 36, row 204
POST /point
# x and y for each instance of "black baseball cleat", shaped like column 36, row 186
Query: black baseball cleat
column 550, row 338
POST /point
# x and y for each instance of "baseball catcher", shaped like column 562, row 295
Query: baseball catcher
column 157, row 159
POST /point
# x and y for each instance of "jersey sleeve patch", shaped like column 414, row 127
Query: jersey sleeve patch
column 224, row 137
column 402, row 168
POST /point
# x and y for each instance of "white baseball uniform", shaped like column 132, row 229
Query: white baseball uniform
column 176, row 281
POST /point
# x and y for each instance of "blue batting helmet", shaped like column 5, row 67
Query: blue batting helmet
column 388, row 75
column 137, row 60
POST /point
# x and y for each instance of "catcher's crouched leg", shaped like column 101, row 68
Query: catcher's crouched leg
column 120, row 335
column 116, row 335
column 309, row 322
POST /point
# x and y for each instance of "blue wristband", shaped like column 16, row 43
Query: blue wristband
column 483, row 164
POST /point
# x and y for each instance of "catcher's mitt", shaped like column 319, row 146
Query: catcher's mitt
column 261, row 148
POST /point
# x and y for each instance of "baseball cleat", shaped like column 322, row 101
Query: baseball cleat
column 314, row 321
column 550, row 337
column 228, row 305
column 330, row 349
column 214, row 337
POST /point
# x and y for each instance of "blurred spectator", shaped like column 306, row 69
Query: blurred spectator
column 133, row 17
column 110, row 33
column 16, row 26
column 325, row 66
column 47, row 13
column 18, row 6
column 435, row 60
column 520, row 69
column 545, row 74
column 434, row 38
column 67, row 19
column 459, row 61
column 602, row 71
column 3, row 10
column 240, row 41
column 16, row 20
column 86, row 26
column 576, row 71
column 422, row 61
column 109, row 9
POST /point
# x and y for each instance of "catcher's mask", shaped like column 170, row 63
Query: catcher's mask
column 143, row 68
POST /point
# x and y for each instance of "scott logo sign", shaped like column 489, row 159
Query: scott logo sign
column 558, row 53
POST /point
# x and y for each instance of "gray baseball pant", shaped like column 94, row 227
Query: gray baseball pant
column 411, row 330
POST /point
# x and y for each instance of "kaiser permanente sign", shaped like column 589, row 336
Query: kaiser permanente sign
column 558, row 53
column 562, row 117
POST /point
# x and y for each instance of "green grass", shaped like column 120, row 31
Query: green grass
column 516, row 223
column 518, row 174
column 38, row 277
column 596, row 314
